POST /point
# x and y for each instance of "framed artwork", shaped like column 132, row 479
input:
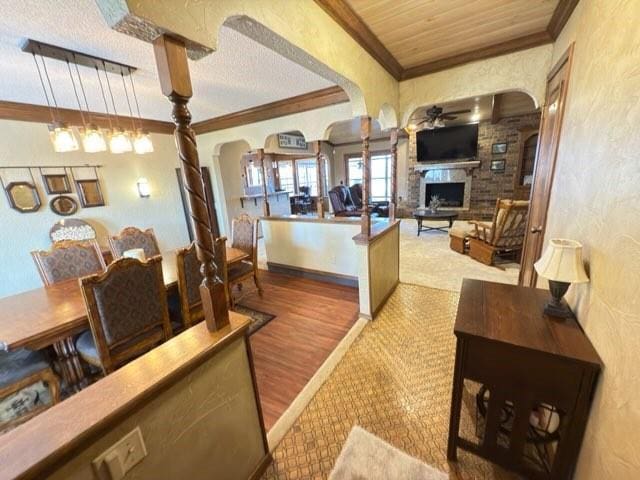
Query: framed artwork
column 498, row 148
column 63, row 205
column 56, row 184
column 90, row 193
column 288, row 140
column 498, row 165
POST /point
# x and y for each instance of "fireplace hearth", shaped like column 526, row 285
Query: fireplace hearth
column 450, row 194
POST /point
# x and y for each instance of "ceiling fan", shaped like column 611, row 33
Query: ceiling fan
column 435, row 117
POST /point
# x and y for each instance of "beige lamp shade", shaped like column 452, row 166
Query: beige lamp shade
column 562, row 262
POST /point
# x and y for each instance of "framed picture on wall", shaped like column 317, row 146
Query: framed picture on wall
column 498, row 165
column 90, row 193
column 498, row 148
column 56, row 184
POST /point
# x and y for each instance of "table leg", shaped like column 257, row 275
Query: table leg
column 450, row 223
column 419, row 225
column 69, row 364
column 456, row 402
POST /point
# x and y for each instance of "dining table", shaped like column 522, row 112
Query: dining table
column 53, row 315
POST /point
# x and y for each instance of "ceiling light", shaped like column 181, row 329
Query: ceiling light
column 120, row 141
column 93, row 139
column 62, row 137
column 438, row 123
column 142, row 142
column 475, row 117
column 429, row 125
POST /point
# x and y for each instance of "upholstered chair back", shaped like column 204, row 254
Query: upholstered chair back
column 127, row 308
column 132, row 237
column 68, row 259
column 356, row 194
column 244, row 235
column 337, row 205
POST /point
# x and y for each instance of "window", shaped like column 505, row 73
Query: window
column 285, row 174
column 380, row 170
column 254, row 175
column 307, row 176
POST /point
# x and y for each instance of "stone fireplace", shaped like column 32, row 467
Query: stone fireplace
column 451, row 181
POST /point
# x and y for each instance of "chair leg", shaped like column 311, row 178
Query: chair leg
column 258, row 286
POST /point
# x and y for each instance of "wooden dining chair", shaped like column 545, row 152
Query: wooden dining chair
column 68, row 259
column 127, row 310
column 190, row 277
column 132, row 237
column 28, row 386
column 244, row 236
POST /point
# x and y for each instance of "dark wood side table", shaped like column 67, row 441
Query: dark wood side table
column 524, row 359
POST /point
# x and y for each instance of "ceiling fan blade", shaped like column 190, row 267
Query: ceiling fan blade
column 448, row 116
column 457, row 111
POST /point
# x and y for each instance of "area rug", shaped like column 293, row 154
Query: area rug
column 258, row 319
column 367, row 457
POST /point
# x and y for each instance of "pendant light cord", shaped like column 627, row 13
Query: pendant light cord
column 75, row 91
column 113, row 102
column 126, row 94
column 84, row 95
column 44, row 89
column 104, row 98
column 135, row 97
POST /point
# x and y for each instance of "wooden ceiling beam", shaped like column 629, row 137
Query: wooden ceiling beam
column 27, row 112
column 288, row 106
column 560, row 17
column 349, row 20
column 515, row 45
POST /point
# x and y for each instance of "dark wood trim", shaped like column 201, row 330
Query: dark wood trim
column 131, row 390
column 262, row 467
column 288, row 106
column 560, row 17
column 349, row 20
column 27, row 112
column 515, row 45
column 338, row 279
column 256, row 396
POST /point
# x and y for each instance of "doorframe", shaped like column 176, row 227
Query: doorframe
column 530, row 239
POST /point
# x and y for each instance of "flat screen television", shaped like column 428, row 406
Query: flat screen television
column 447, row 143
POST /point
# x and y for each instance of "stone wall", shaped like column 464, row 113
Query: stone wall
column 486, row 186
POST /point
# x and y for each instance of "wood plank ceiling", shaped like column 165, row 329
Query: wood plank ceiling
column 415, row 37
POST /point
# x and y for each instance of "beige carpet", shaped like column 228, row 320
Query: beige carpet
column 427, row 260
column 365, row 456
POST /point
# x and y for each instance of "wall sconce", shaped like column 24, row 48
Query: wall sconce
column 144, row 189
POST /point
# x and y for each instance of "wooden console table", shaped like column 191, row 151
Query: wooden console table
column 524, row 359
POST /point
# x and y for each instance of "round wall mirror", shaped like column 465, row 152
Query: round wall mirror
column 63, row 205
column 23, row 196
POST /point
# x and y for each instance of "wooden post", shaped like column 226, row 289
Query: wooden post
column 365, row 133
column 266, row 208
column 320, row 200
column 394, row 174
column 173, row 70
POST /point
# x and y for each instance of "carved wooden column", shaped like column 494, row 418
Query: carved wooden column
column 365, row 133
column 320, row 201
column 266, row 208
column 173, row 70
column 394, row 174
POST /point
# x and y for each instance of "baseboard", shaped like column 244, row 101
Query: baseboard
column 288, row 418
column 262, row 467
column 338, row 279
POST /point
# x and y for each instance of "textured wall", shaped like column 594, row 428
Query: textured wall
column 205, row 426
column 28, row 143
column 596, row 200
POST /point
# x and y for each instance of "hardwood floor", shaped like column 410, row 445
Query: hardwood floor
column 311, row 319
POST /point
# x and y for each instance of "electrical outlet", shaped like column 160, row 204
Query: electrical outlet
column 117, row 460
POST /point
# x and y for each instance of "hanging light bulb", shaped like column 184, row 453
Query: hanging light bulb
column 142, row 142
column 438, row 123
column 119, row 142
column 93, row 139
column 62, row 137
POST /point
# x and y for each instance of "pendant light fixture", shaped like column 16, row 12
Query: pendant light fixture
column 93, row 140
column 120, row 141
column 142, row 140
column 60, row 133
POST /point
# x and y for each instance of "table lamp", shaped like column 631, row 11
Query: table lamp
column 562, row 265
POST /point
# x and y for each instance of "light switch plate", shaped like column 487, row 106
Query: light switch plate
column 117, row 460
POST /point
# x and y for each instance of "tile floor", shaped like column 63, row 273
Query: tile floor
column 395, row 381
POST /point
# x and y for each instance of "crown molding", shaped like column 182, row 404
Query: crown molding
column 280, row 108
column 515, row 45
column 349, row 20
column 27, row 112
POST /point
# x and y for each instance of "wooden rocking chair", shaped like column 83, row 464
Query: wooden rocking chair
column 504, row 234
